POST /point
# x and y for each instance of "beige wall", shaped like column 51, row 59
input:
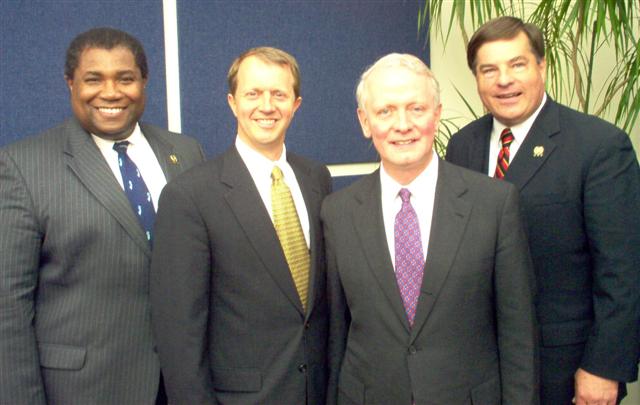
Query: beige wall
column 450, row 67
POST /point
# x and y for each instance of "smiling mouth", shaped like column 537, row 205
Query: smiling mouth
column 265, row 122
column 110, row 110
column 508, row 96
column 404, row 142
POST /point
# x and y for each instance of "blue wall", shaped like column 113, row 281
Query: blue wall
column 332, row 40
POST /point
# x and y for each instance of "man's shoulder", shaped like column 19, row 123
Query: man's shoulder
column 347, row 196
column 49, row 142
column 173, row 138
column 580, row 122
column 477, row 126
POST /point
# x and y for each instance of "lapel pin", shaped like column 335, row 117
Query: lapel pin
column 538, row 151
column 173, row 159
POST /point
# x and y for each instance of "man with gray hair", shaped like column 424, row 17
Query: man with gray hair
column 429, row 278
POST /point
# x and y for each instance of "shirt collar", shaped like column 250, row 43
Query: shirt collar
column 420, row 186
column 256, row 162
column 135, row 138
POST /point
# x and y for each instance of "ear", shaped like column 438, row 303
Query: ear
column 364, row 122
column 232, row 103
column 69, row 81
column 542, row 66
column 296, row 104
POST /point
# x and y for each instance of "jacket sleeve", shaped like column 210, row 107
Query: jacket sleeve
column 612, row 220
column 515, row 312
column 20, row 244
column 179, row 290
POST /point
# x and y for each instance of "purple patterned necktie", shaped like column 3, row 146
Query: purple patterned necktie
column 409, row 257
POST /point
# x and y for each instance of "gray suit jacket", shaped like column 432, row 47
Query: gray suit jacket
column 74, row 307
column 230, row 325
column 473, row 340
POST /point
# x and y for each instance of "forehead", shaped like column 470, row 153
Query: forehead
column 397, row 84
column 119, row 58
column 504, row 49
column 255, row 72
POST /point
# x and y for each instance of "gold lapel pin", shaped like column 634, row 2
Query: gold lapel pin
column 173, row 159
column 538, row 151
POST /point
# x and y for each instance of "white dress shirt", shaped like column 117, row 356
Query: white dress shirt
column 142, row 155
column 423, row 193
column 260, row 169
column 519, row 132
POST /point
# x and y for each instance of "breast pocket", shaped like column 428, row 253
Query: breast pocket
column 62, row 357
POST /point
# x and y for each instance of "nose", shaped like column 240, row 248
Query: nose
column 402, row 123
column 266, row 104
column 110, row 90
column 504, row 77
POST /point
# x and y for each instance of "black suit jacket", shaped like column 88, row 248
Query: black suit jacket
column 579, row 180
column 473, row 339
column 230, row 325
column 74, row 295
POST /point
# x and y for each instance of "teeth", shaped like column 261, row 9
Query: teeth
column 266, row 122
column 112, row 110
column 404, row 142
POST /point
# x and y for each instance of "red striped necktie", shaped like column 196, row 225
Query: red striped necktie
column 506, row 138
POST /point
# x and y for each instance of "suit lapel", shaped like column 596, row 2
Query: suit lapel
column 369, row 226
column 87, row 162
column 170, row 161
column 312, row 196
column 536, row 148
column 450, row 216
column 245, row 203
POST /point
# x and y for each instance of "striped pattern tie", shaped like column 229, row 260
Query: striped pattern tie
column 289, row 230
column 506, row 138
column 136, row 189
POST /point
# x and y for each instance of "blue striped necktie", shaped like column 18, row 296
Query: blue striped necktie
column 135, row 189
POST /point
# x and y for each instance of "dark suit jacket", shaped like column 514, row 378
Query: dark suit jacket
column 581, row 202
column 473, row 339
column 230, row 325
column 74, row 309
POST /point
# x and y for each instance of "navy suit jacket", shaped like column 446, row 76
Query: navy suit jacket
column 579, row 180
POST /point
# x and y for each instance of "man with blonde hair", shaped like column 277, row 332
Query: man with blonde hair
column 429, row 278
column 238, row 277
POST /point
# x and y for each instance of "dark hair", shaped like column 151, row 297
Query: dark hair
column 104, row 38
column 504, row 28
column 270, row 55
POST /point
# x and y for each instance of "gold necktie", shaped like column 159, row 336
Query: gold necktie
column 287, row 224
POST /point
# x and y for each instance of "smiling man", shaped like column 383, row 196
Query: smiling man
column 580, row 185
column 238, row 271
column 430, row 283
column 76, row 220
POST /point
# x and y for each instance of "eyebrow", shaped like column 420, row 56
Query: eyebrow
column 512, row 60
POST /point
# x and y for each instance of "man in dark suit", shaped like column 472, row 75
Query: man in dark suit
column 429, row 276
column 75, row 322
column 580, row 185
column 238, row 301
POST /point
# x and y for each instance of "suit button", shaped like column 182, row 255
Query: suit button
column 412, row 350
column 302, row 368
column 306, row 325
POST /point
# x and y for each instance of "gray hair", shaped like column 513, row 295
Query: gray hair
column 405, row 60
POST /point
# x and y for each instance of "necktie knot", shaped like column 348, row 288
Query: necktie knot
column 405, row 195
column 506, row 137
column 121, row 147
column 276, row 174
